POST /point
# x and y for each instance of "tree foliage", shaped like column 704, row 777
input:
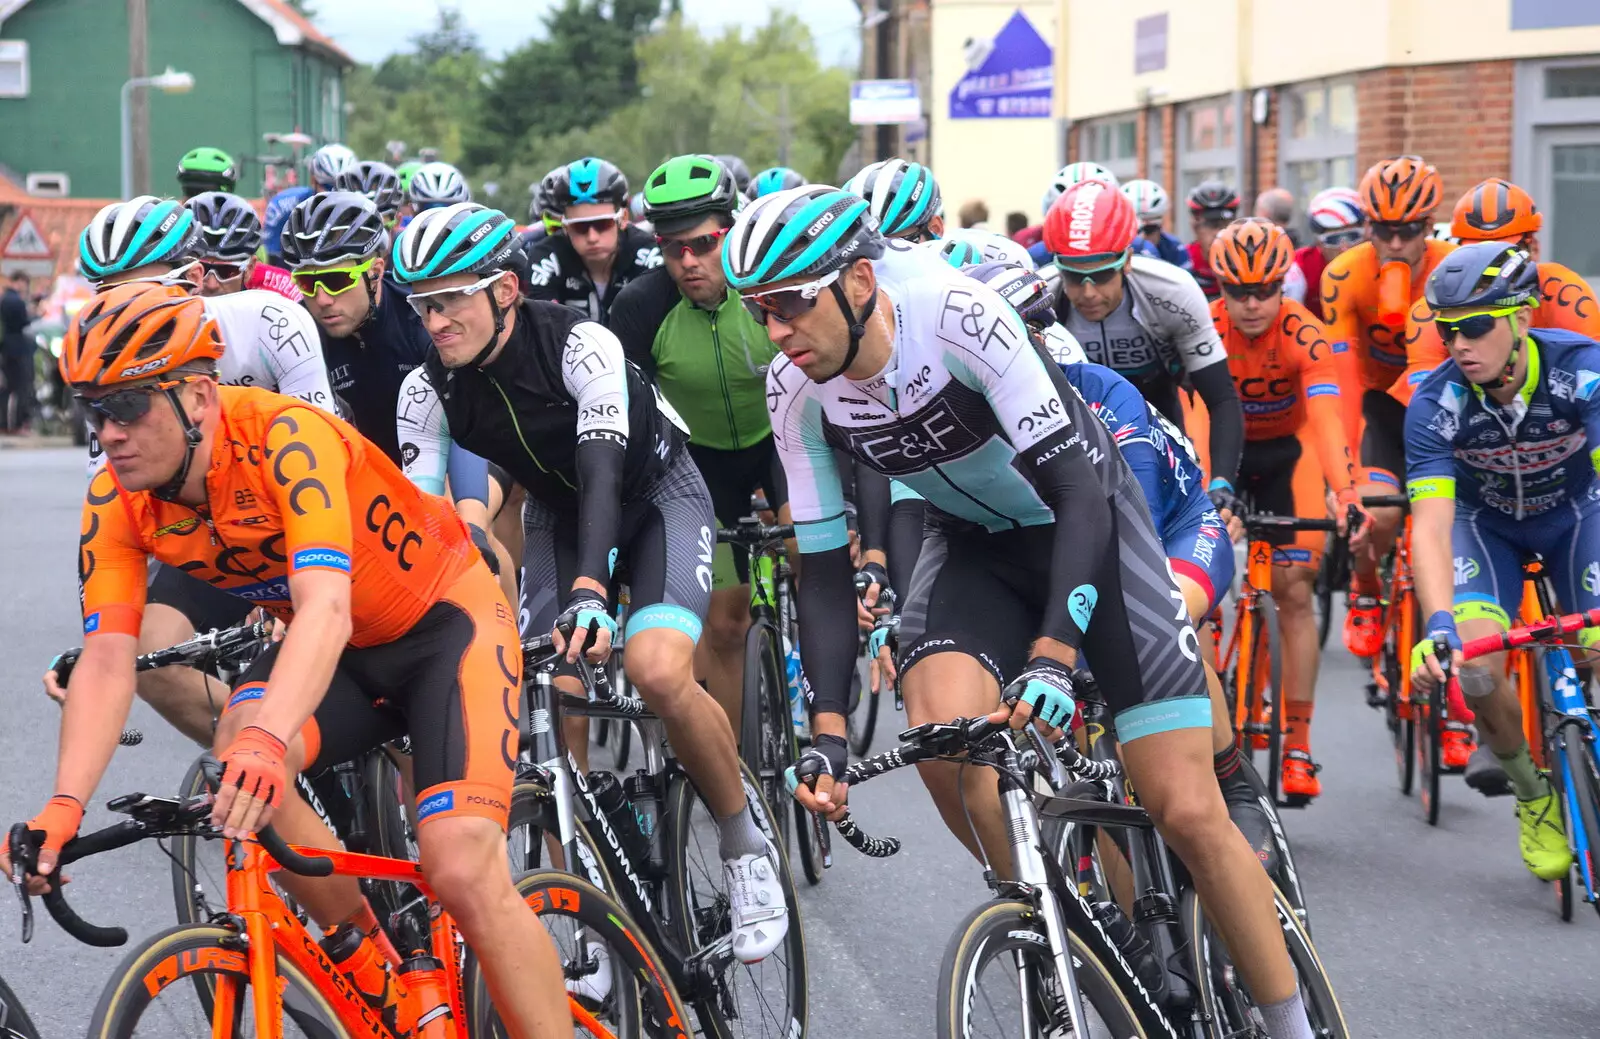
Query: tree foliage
column 612, row 78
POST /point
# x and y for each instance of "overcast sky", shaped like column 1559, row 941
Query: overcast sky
column 371, row 29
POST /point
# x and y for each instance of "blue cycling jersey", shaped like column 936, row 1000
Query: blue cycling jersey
column 1172, row 250
column 1520, row 459
column 1155, row 450
column 279, row 207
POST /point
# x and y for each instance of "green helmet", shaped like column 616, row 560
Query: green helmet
column 207, row 169
column 405, row 170
column 685, row 190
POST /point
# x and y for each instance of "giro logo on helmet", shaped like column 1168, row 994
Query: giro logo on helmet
column 823, row 221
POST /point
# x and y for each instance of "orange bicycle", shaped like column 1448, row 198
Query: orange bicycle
column 268, row 975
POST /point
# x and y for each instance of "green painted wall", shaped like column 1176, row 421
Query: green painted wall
column 246, row 84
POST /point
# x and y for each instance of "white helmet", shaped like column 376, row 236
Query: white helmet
column 969, row 246
column 1077, row 172
column 1150, row 202
column 327, row 162
column 436, row 185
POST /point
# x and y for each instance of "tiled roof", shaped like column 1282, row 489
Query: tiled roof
column 59, row 220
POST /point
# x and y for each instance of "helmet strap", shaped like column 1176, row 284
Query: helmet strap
column 372, row 300
column 192, row 436
column 499, row 329
column 1517, row 336
column 858, row 325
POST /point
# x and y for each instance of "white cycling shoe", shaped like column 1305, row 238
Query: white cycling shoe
column 595, row 985
column 755, row 896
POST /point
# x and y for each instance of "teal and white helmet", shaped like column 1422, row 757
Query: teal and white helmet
column 1150, row 202
column 810, row 230
column 970, row 246
column 127, row 235
column 903, row 195
column 465, row 238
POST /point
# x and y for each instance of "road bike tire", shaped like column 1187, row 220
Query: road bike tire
column 14, row 1020
column 639, row 1000
column 862, row 724
column 1287, row 875
column 1586, row 796
column 697, row 910
column 1332, row 576
column 393, row 830
column 1014, row 933
column 1267, row 640
column 1230, row 1009
column 530, row 827
column 1429, row 746
column 193, row 952
column 766, row 732
column 1400, row 716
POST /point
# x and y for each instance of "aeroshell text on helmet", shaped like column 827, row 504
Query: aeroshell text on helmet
column 1081, row 227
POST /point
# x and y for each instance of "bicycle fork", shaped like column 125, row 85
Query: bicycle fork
column 1574, row 715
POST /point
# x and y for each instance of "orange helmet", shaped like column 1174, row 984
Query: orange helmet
column 134, row 332
column 1398, row 191
column 1495, row 211
column 1251, row 251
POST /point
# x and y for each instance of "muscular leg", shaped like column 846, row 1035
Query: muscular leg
column 720, row 655
column 1385, row 528
column 465, row 862
column 1197, row 602
column 940, row 687
column 186, row 698
column 659, row 663
column 1292, row 589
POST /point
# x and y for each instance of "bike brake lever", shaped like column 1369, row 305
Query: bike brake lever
column 19, row 848
column 1047, row 754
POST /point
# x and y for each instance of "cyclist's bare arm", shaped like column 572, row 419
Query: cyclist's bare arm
column 100, row 694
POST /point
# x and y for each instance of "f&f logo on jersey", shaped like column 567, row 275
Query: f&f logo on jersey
column 983, row 328
column 933, row 435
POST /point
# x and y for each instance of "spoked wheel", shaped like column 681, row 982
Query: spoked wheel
column 1586, row 796
column 766, row 999
column 998, row 981
column 863, row 720
column 766, row 736
column 1223, row 993
column 1270, row 679
column 1429, row 745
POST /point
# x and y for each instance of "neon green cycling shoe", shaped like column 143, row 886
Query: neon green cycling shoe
column 1543, row 839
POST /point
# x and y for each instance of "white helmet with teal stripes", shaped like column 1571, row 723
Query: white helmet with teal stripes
column 809, row 230
column 903, row 195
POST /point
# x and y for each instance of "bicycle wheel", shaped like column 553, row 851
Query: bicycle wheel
column 1267, row 644
column 1333, row 575
column 767, row 999
column 998, row 980
column 532, row 832
column 140, row 1000
column 1428, row 744
column 392, row 832
column 1401, row 718
column 1585, row 795
column 14, row 1020
column 863, row 721
column 766, row 734
column 612, row 973
column 1231, row 1010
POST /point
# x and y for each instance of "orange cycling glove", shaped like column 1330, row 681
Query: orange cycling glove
column 59, row 822
column 254, row 764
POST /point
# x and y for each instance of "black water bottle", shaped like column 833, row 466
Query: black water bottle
column 1135, row 948
column 646, row 799
column 609, row 795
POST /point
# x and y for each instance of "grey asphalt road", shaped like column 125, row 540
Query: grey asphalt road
column 1425, row 931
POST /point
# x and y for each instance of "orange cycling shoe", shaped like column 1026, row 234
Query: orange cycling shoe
column 1363, row 626
column 1457, row 746
column 1300, row 782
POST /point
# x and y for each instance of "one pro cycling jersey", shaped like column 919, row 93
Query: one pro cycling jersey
column 367, row 367
column 562, row 410
column 1159, row 335
column 1566, row 302
column 710, row 364
column 267, row 342
column 274, row 279
column 290, row 489
column 557, row 273
column 1521, row 459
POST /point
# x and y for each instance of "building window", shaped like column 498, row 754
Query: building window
column 13, row 68
column 1317, row 137
column 1156, row 147
column 1208, row 143
column 1572, row 81
column 1114, row 144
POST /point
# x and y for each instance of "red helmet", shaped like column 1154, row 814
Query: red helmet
column 1091, row 221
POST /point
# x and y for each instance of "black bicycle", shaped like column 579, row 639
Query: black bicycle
column 14, row 1020
column 653, row 839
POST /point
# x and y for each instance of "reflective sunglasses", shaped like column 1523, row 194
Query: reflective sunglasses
column 221, row 270
column 1473, row 326
column 1410, row 230
column 1342, row 239
column 917, row 236
column 124, row 407
column 450, row 301
column 1263, row 290
column 592, row 224
column 699, row 245
column 1102, row 274
column 334, row 282
column 787, row 304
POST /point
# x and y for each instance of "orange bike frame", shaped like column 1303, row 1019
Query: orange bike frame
column 1520, row 665
column 1401, row 620
column 1242, row 642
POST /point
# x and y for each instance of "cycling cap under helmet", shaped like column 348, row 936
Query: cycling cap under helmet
column 127, row 235
column 229, row 227
column 903, row 196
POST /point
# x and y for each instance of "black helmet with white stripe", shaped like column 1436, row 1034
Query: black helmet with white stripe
column 229, row 228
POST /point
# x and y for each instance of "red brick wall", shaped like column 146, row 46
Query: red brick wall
column 1458, row 117
column 1169, row 148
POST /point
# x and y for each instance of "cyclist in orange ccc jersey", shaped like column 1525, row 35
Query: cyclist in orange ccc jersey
column 1282, row 364
column 292, row 509
column 1365, row 295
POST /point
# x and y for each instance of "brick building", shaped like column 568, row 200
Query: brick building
column 1269, row 92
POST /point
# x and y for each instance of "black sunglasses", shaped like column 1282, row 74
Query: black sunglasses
column 1103, row 276
column 699, row 245
column 1410, row 230
column 124, row 407
column 1264, row 290
column 1473, row 326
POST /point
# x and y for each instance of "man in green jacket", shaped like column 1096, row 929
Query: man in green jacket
column 690, row 333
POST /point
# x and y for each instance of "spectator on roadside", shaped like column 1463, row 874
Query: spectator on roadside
column 16, row 355
column 1277, row 206
column 974, row 214
column 1016, row 220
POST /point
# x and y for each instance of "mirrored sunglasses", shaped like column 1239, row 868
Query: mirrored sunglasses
column 1472, row 326
column 592, row 224
column 1341, row 239
column 787, row 304
column 222, row 270
column 699, row 245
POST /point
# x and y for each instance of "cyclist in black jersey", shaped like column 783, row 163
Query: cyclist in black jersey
column 598, row 252
column 548, row 395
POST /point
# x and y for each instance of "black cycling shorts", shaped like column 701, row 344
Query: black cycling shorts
column 732, row 477
column 1383, row 444
column 206, row 606
column 982, row 594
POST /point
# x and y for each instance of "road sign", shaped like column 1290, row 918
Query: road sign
column 1012, row 78
column 25, row 242
column 875, row 101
